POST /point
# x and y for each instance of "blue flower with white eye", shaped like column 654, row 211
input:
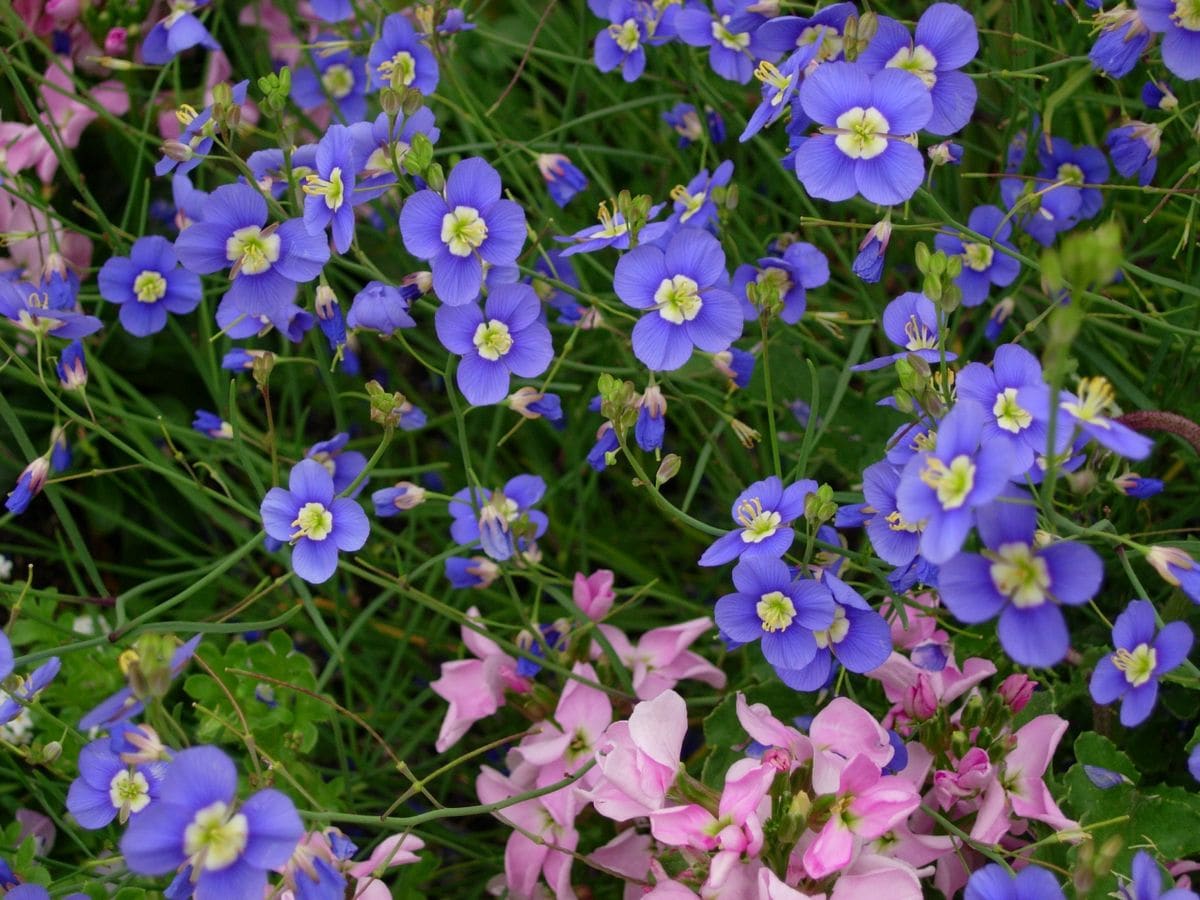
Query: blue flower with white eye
column 148, row 284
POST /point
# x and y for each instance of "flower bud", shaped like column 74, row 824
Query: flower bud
column 667, row 469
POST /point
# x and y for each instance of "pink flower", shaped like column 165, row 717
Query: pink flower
column 1020, row 790
column 921, row 627
column 917, row 692
column 66, row 115
column 559, row 747
column 770, row 732
column 872, row 877
column 1016, row 689
column 397, row 850
column 868, row 804
column 45, row 244
column 972, row 776
column 840, row 732
column 474, row 688
column 661, row 658
column 639, row 759
column 594, row 593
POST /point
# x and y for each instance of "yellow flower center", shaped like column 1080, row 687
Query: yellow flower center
column 1020, row 575
column 917, row 60
column 920, row 336
column 492, row 339
column 463, row 231
column 862, row 133
column 251, row 250
column 400, row 70
column 978, row 256
column 775, row 611
column 332, row 189
column 1187, row 14
column 338, row 81
column 214, row 840
column 953, row 482
column 757, row 524
column 1010, row 415
column 313, row 521
column 1137, row 666
column 678, row 299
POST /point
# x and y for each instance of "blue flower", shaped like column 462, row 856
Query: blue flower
column 1022, row 583
column 1179, row 23
column 507, row 337
column 983, row 264
column 1131, row 673
column 651, row 423
column 942, row 487
column 109, row 788
column 211, row 424
column 179, row 31
column 29, row 484
column 613, row 231
column 25, row 691
column 1158, row 95
column 316, row 523
column 763, row 514
column 606, row 443
column 461, row 229
column 72, row 367
column 1088, row 410
column 266, row 262
column 770, row 606
column 338, row 76
column 620, row 43
column 861, row 148
column 382, row 139
column 380, row 307
column 800, row 268
column 329, row 191
column 229, row 849
column 1031, row 883
column 779, row 84
column 683, row 118
column 1134, row 150
column 45, row 308
column 125, row 704
column 911, row 323
column 1133, row 485
column 400, row 60
column 868, row 264
column 684, row 291
column 732, row 46
column 563, row 178
column 1122, row 41
column 503, row 522
column 195, row 142
column 1147, row 882
column 896, row 541
column 6, row 656
column 945, row 40
column 736, row 365
column 401, row 496
column 997, row 390
column 148, row 284
column 344, row 465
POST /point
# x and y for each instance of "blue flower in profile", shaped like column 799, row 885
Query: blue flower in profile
column 380, row 307
column 195, row 142
column 1022, row 583
column 858, row 638
column 563, row 178
column 1134, row 150
column 684, row 293
column 769, row 605
column 39, row 309
column 502, row 522
column 1147, row 882
column 868, row 264
column 1123, row 39
column 606, row 443
column 945, row 40
column 792, row 274
column 399, row 59
column 72, row 367
column 209, row 423
column 943, row 486
column 507, row 337
column 461, row 229
column 1090, row 410
column 651, row 425
column 1141, row 657
column 317, row 524
column 1133, row 485
column 196, row 823
column 148, row 284
column 984, row 264
column 125, row 703
column 108, row 788
column 25, row 691
column 179, row 31
column 1158, row 95
column 763, row 514
column 344, row 465
column 329, row 191
column 6, row 656
column 694, row 204
column 338, row 76
column 861, row 146
column 779, row 85
column 992, row 882
column 736, row 365
column 29, row 484
column 911, row 323
column 825, row 28
column 895, row 540
column 1179, row 23
column 612, row 231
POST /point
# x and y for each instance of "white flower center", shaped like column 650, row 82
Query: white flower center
column 832, row 43
column 917, row 60
column 1094, row 398
column 314, row 522
column 251, row 250
column 1020, row 575
column 953, row 482
column 333, row 189
column 400, row 70
column 129, row 792
column 214, row 840
column 626, row 35
column 836, row 633
column 678, row 299
column 493, row 340
column 978, row 256
column 1137, row 666
column 1010, row 415
column 775, row 611
column 1070, row 173
column 862, row 133
column 338, row 81
column 1187, row 14
column 757, row 524
column 463, row 230
column 149, row 286
column 920, row 336
column 728, row 39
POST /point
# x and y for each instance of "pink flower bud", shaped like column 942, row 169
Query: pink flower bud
column 1016, row 691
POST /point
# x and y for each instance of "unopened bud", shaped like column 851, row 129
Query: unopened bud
column 667, row 469
column 392, row 101
column 435, row 177
column 51, row 752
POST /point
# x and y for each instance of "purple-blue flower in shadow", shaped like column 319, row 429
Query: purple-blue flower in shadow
column 399, row 59
column 800, row 268
column 336, row 76
column 487, row 518
column 178, row 31
column 316, row 523
column 911, row 323
column 861, row 147
column 996, row 390
column 148, row 284
column 684, row 291
column 195, row 822
column 982, row 263
column 460, row 230
column 1179, row 23
column 329, row 191
column 1023, row 583
column 1141, row 657
column 763, row 514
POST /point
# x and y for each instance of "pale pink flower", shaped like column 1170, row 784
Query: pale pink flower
column 917, row 692
column 869, row 804
column 1019, row 789
column 29, row 238
column 594, row 593
column 475, row 688
column 397, row 850
column 921, row 627
column 66, row 116
column 661, row 658
column 873, row 877
column 627, row 856
column 560, row 747
column 840, row 732
column 639, row 759
column 770, row 732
